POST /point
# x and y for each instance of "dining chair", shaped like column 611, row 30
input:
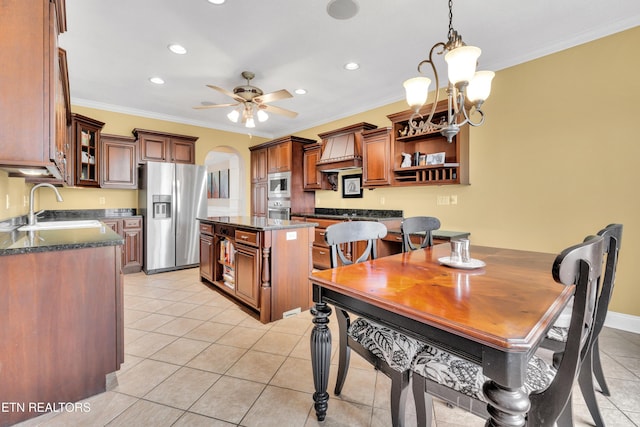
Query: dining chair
column 418, row 224
column 459, row 382
column 365, row 336
column 557, row 336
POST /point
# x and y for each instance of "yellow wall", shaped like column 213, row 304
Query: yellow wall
column 556, row 159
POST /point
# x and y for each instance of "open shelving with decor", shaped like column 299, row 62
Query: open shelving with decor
column 451, row 158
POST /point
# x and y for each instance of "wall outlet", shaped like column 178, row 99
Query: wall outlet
column 25, row 201
column 454, row 199
column 7, row 201
column 101, row 200
column 442, row 200
column 382, row 200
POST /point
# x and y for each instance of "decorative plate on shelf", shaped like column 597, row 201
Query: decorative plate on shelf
column 469, row 265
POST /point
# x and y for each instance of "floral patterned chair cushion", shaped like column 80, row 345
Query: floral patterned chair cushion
column 466, row 377
column 560, row 329
column 397, row 349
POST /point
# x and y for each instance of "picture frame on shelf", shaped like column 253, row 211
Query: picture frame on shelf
column 435, row 159
column 352, row 186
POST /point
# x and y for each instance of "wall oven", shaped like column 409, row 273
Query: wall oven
column 279, row 185
column 279, row 209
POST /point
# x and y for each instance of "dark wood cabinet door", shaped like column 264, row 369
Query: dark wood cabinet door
column 259, row 199
column 279, row 157
column 247, row 264
column 259, row 165
column 182, row 151
column 206, row 257
column 86, row 140
column 376, row 156
column 153, row 148
column 118, row 161
column 132, row 250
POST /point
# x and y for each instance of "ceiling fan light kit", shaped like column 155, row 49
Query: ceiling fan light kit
column 342, row 9
column 466, row 92
column 251, row 102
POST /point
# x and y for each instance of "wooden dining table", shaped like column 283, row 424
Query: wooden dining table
column 495, row 316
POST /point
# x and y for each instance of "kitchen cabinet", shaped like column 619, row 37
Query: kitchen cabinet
column 259, row 165
column 85, row 133
column 282, row 154
column 130, row 228
column 33, row 82
column 206, row 252
column 376, row 157
column 313, row 178
column 251, row 261
column 118, row 162
column 279, row 157
column 165, row 147
column 64, row 147
column 454, row 170
column 62, row 326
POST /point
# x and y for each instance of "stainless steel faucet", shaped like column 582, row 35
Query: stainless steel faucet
column 32, row 215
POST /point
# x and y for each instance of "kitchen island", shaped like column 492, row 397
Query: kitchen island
column 61, row 317
column 263, row 264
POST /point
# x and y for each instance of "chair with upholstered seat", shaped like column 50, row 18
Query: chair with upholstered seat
column 415, row 225
column 436, row 372
column 359, row 335
column 557, row 336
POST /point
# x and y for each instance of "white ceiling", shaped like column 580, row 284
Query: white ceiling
column 114, row 46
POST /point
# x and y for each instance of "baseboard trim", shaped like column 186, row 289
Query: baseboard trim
column 626, row 322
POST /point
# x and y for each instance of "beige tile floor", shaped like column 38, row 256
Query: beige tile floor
column 193, row 358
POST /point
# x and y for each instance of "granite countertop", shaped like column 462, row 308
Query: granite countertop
column 22, row 242
column 257, row 223
column 353, row 214
column 77, row 214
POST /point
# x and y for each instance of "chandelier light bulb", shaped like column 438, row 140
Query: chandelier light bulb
column 480, row 86
column 417, row 91
column 250, row 123
column 234, row 116
column 262, row 116
column 461, row 63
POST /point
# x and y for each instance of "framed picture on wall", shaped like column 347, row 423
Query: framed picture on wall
column 214, row 184
column 224, row 184
column 352, row 186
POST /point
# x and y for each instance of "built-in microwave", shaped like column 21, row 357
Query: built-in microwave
column 279, row 185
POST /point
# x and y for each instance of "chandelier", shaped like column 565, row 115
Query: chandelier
column 247, row 110
column 466, row 92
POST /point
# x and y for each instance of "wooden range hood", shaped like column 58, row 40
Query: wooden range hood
column 342, row 148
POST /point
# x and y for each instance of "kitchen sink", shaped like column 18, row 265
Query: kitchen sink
column 61, row 225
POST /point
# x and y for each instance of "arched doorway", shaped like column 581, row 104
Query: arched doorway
column 224, row 162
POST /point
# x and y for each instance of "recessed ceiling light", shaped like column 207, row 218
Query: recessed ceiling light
column 300, row 91
column 156, row 80
column 216, row 1
column 176, row 48
column 351, row 66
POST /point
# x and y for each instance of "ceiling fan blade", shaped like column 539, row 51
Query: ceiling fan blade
column 278, row 110
column 226, row 92
column 272, row 96
column 204, row 107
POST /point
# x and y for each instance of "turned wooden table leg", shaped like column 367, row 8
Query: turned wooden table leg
column 506, row 406
column 321, row 357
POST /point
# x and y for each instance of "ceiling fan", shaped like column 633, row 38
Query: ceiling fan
column 251, row 100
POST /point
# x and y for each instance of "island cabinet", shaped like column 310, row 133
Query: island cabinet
column 263, row 264
column 34, row 112
column 61, row 317
column 434, row 160
column 165, row 147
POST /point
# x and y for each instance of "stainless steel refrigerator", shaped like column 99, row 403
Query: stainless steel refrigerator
column 170, row 198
